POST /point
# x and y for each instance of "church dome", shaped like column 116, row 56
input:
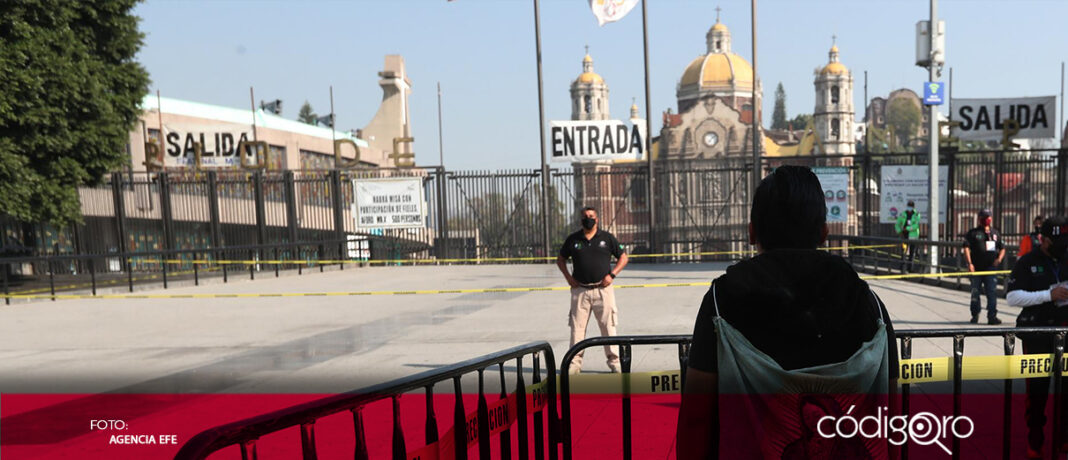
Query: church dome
column 716, row 70
column 719, row 27
column 588, row 76
column 834, row 67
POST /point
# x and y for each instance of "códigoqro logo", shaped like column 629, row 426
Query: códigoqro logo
column 923, row 428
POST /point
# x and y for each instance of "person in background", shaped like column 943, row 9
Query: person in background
column 768, row 323
column 1031, row 241
column 591, row 250
column 1038, row 284
column 983, row 252
column 908, row 227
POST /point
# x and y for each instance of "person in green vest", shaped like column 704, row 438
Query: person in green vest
column 908, row 226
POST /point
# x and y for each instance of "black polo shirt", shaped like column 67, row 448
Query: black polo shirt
column 1036, row 271
column 984, row 247
column 592, row 258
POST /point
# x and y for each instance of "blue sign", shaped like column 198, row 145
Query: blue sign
column 934, row 93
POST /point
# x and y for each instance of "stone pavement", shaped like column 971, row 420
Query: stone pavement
column 332, row 344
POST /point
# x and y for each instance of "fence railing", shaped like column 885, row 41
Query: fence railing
column 905, row 338
column 702, row 205
column 164, row 266
column 912, row 256
column 625, row 344
column 246, row 433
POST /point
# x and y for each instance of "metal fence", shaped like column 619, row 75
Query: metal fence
column 547, row 435
column 906, row 337
column 535, row 435
column 701, row 206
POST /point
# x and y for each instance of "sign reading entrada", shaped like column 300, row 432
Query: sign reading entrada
column 594, row 140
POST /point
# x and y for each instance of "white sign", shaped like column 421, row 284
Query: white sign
column 835, row 184
column 984, row 119
column 902, row 183
column 611, row 10
column 389, row 203
column 596, row 140
column 218, row 144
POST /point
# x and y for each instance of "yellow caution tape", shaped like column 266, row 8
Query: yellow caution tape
column 934, row 275
column 911, row 371
column 430, row 291
column 111, row 282
column 440, row 261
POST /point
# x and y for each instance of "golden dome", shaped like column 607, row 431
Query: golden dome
column 719, row 26
column 587, row 59
column 834, row 68
column 719, row 70
column 589, row 77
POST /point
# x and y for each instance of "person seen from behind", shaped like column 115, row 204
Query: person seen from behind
column 791, row 331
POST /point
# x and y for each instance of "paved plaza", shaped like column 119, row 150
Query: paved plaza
column 332, row 344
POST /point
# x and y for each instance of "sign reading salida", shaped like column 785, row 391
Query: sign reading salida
column 984, row 119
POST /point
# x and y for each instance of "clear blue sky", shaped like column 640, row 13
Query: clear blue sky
column 482, row 52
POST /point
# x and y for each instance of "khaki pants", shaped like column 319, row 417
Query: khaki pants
column 602, row 302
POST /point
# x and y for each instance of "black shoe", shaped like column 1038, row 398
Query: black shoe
column 975, row 319
column 994, row 321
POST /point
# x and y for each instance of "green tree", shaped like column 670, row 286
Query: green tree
column 903, row 118
column 778, row 115
column 800, row 121
column 306, row 114
column 71, row 94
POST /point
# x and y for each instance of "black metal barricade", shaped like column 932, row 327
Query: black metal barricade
column 1009, row 335
column 245, row 433
column 625, row 360
column 905, row 338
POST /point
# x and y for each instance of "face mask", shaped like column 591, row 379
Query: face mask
column 588, row 223
column 985, row 221
column 1038, row 229
column 910, row 208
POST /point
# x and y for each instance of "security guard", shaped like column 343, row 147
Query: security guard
column 591, row 251
column 984, row 251
column 908, row 226
column 1039, row 283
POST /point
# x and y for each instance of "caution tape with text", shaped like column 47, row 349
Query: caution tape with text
column 920, row 370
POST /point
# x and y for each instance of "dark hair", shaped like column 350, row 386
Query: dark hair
column 1038, row 217
column 589, row 208
column 789, row 209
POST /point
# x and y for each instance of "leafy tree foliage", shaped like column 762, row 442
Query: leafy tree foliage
column 778, row 114
column 70, row 92
column 307, row 115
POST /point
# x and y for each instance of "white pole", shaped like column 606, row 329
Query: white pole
column 932, row 211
